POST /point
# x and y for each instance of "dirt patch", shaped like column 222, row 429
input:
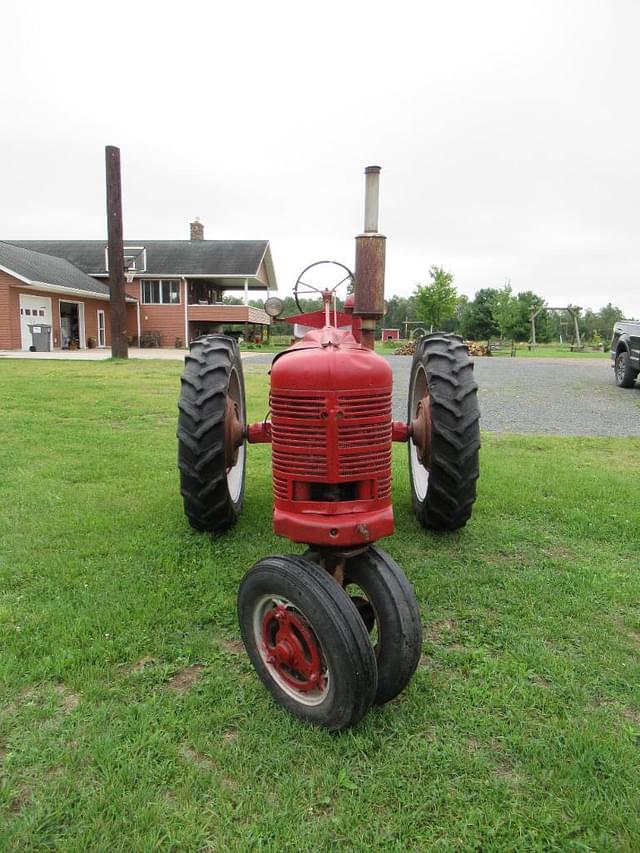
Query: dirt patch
column 559, row 552
column 198, row 759
column 234, row 647
column 137, row 666
column 435, row 631
column 634, row 636
column 230, row 736
column 506, row 773
column 69, row 700
column 20, row 800
column 628, row 712
column 186, row 678
column 24, row 696
column 426, row 662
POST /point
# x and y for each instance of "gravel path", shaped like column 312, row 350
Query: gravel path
column 563, row 396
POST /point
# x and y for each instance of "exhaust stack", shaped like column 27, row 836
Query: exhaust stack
column 370, row 256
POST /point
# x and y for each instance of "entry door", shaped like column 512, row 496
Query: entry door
column 33, row 310
column 102, row 337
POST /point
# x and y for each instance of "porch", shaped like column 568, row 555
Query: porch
column 217, row 317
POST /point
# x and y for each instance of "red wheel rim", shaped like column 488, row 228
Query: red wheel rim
column 291, row 649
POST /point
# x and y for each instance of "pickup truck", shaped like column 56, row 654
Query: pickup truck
column 625, row 352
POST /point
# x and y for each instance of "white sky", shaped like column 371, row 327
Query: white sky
column 507, row 132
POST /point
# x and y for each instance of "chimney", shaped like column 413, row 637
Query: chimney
column 197, row 229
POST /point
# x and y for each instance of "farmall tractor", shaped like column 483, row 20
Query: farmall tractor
column 335, row 629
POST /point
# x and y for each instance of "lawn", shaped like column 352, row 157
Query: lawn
column 130, row 718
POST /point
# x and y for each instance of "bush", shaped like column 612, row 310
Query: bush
column 151, row 339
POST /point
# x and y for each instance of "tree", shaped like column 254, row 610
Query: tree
column 436, row 302
column 609, row 316
column 506, row 313
column 477, row 321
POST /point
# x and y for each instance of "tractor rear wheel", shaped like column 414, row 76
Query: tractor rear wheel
column 307, row 642
column 395, row 630
column 211, row 426
column 445, row 434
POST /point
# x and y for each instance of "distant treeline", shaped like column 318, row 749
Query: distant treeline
column 492, row 313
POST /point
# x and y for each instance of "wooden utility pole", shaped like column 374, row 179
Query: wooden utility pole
column 118, row 305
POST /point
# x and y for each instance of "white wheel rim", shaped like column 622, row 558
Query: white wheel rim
column 419, row 474
column 235, row 475
column 310, row 698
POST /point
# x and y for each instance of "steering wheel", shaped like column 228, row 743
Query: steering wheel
column 302, row 287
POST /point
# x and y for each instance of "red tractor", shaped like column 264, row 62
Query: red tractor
column 337, row 628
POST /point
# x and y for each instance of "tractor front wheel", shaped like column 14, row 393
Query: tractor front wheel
column 211, row 426
column 307, row 642
column 444, row 432
column 390, row 611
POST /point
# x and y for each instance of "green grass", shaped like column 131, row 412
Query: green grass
column 554, row 350
column 130, row 718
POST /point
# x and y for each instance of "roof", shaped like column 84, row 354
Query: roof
column 36, row 268
column 191, row 258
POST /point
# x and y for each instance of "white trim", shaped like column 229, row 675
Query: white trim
column 138, row 319
column 100, row 311
column 246, row 291
column 25, row 344
column 186, row 315
column 15, row 274
column 75, row 291
column 251, row 276
column 160, row 283
column 82, row 332
column 267, row 260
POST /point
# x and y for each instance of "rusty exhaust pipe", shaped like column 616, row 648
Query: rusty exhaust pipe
column 368, row 303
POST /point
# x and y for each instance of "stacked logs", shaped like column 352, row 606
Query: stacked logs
column 475, row 348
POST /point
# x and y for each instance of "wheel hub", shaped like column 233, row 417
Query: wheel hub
column 233, row 432
column 292, row 650
column 420, row 430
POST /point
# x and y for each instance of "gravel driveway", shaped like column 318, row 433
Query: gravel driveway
column 564, row 396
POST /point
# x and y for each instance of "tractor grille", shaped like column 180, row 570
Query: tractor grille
column 298, row 408
column 359, row 432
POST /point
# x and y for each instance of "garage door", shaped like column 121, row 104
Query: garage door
column 33, row 309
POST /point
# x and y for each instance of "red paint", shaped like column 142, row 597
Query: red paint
column 317, row 319
column 331, row 433
column 399, row 431
column 291, row 648
column 259, row 433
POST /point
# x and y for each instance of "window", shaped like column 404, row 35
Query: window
column 160, row 292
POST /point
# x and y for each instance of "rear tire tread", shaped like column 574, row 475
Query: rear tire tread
column 455, row 433
column 201, row 411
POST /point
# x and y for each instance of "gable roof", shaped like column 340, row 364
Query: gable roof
column 35, row 268
column 191, row 258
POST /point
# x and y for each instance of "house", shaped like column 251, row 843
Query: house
column 40, row 289
column 175, row 288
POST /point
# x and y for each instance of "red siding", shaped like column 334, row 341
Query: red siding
column 166, row 319
column 10, row 290
column 5, row 324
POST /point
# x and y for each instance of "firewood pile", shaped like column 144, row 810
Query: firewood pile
column 406, row 349
column 474, row 348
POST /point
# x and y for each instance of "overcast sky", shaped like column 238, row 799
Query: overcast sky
column 507, row 132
